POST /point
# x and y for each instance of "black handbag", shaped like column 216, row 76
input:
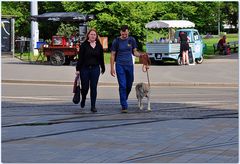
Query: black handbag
column 76, row 90
column 76, row 96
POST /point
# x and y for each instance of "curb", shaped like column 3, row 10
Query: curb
column 187, row 84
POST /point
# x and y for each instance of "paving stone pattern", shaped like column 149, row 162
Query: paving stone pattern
column 172, row 132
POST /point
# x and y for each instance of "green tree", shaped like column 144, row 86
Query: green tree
column 230, row 13
column 66, row 29
column 206, row 17
column 110, row 15
column 19, row 10
column 48, row 6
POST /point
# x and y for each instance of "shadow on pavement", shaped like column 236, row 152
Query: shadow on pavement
column 31, row 130
column 65, row 112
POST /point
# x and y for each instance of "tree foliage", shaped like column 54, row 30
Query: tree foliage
column 21, row 11
column 110, row 15
column 66, row 30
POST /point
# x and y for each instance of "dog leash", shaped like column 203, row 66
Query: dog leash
column 146, row 62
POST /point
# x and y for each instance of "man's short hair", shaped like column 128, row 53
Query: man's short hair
column 124, row 28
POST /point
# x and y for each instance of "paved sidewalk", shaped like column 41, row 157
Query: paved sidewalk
column 221, row 71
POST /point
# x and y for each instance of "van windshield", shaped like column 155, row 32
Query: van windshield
column 188, row 34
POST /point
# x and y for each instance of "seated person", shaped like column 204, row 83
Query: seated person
column 222, row 45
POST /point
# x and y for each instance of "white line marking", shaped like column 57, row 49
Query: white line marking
column 29, row 98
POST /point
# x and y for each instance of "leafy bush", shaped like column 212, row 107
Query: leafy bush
column 66, row 29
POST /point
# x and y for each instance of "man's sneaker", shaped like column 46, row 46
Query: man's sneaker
column 124, row 110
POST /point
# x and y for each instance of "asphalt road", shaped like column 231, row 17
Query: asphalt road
column 188, row 123
column 180, row 94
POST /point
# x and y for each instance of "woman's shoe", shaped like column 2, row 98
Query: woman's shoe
column 94, row 110
column 83, row 103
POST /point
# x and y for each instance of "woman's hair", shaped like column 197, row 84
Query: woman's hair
column 181, row 33
column 86, row 38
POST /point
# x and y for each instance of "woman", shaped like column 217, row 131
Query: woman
column 184, row 47
column 88, row 66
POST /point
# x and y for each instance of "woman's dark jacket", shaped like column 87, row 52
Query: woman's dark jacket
column 184, row 46
column 89, row 56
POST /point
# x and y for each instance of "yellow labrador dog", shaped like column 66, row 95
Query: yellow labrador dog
column 143, row 90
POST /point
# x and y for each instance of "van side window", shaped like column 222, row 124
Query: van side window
column 195, row 35
column 189, row 36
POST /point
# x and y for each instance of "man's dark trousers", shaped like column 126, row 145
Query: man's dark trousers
column 125, row 80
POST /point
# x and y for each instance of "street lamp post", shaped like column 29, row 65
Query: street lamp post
column 34, row 28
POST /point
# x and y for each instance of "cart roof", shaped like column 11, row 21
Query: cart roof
column 169, row 24
column 62, row 16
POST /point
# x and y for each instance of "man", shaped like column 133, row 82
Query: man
column 121, row 52
column 222, row 45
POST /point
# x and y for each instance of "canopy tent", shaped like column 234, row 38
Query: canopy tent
column 169, row 24
column 63, row 16
column 73, row 17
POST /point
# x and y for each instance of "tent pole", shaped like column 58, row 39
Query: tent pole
column 169, row 33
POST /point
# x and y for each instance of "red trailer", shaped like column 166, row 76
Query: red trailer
column 60, row 51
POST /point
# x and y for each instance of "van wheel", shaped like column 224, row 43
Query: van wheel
column 179, row 60
column 199, row 60
column 153, row 61
column 57, row 58
column 161, row 62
